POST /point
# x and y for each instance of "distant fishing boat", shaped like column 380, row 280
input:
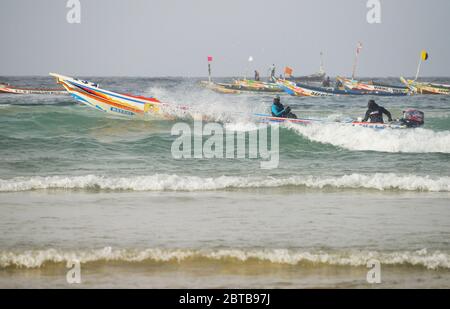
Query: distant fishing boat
column 6, row 88
column 426, row 88
column 423, row 87
column 371, row 86
column 243, row 85
column 440, row 85
column 218, row 88
column 316, row 77
column 297, row 89
column 239, row 86
column 302, row 90
column 252, row 85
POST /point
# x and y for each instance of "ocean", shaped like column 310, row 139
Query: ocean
column 78, row 186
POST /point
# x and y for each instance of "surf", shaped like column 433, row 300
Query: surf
column 428, row 259
column 419, row 140
column 173, row 182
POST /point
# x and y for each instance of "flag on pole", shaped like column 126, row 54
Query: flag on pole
column 424, row 55
column 358, row 48
column 210, row 59
column 288, row 71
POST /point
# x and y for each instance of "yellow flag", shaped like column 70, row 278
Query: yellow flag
column 424, row 55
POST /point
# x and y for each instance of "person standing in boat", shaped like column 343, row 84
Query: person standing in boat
column 375, row 113
column 272, row 72
column 326, row 82
column 278, row 109
column 257, row 75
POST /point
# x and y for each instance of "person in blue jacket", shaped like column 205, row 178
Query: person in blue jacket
column 278, row 109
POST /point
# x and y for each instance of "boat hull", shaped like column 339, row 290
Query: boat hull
column 219, row 88
column 311, row 91
column 318, row 77
column 426, row 88
column 4, row 88
column 251, row 86
column 265, row 118
column 373, row 88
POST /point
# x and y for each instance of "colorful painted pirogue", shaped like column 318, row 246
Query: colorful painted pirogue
column 218, row 88
column 253, row 85
column 302, row 90
column 426, row 88
column 371, row 86
column 106, row 101
column 6, row 88
column 311, row 91
column 244, row 85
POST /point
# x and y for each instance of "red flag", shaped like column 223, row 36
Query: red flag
column 210, row 58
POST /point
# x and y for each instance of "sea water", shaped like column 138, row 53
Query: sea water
column 79, row 185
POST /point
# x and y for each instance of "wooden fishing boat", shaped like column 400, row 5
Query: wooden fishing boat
column 426, row 88
column 90, row 94
column 244, row 85
column 371, row 86
column 252, row 86
column 6, row 88
column 316, row 77
column 218, row 88
column 297, row 89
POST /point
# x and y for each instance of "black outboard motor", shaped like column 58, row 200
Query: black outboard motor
column 413, row 118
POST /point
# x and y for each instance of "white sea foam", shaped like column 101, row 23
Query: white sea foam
column 356, row 138
column 202, row 103
column 354, row 258
column 164, row 182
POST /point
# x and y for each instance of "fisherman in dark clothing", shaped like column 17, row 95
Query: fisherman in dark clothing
column 375, row 113
column 278, row 109
column 256, row 75
column 326, row 82
column 338, row 85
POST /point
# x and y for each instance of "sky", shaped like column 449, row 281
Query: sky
column 174, row 37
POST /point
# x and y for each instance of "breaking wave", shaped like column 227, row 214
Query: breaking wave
column 354, row 258
column 165, row 182
column 363, row 139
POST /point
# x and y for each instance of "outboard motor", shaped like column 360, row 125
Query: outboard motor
column 413, row 118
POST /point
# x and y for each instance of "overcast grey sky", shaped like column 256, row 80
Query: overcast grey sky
column 174, row 37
